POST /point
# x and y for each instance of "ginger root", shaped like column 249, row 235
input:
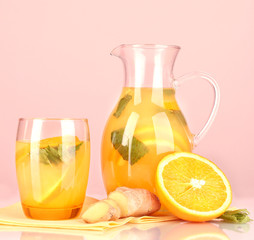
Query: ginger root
column 123, row 202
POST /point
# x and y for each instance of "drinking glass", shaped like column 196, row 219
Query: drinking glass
column 52, row 166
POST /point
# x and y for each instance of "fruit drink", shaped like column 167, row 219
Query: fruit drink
column 145, row 126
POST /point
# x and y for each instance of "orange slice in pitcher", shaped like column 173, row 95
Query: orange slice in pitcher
column 147, row 134
column 149, row 142
column 192, row 187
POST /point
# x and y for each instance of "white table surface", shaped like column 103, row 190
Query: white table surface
column 160, row 231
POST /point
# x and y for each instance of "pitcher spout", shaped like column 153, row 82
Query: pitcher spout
column 147, row 65
column 116, row 51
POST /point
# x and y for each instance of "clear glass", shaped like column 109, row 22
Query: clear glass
column 147, row 123
column 52, row 166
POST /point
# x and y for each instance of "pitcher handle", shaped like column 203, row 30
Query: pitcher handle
column 213, row 83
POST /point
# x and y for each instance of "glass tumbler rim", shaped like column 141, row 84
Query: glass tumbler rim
column 52, row 119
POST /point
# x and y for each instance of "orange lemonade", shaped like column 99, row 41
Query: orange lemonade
column 52, row 176
column 145, row 126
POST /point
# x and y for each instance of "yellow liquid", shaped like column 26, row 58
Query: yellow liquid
column 152, row 117
column 49, row 188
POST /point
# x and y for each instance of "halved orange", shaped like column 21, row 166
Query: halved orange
column 192, row 187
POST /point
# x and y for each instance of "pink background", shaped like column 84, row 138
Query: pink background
column 54, row 62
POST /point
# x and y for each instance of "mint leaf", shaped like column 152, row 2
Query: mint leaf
column 60, row 151
column 50, row 155
column 121, row 105
column 169, row 91
column 54, row 155
column 77, row 147
column 44, row 156
column 137, row 151
column 236, row 216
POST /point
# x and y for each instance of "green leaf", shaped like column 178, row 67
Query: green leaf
column 44, row 156
column 122, row 104
column 54, row 155
column 77, row 147
column 137, row 151
column 49, row 155
column 169, row 91
column 60, row 151
column 236, row 216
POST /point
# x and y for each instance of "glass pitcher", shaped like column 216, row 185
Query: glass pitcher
column 147, row 123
